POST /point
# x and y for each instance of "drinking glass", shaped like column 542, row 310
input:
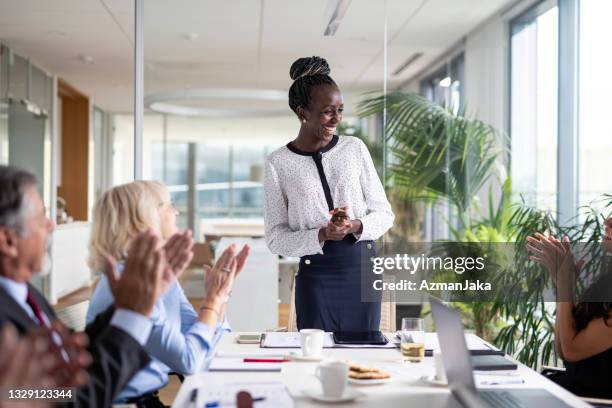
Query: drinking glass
column 413, row 339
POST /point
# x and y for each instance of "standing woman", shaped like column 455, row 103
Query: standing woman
column 307, row 179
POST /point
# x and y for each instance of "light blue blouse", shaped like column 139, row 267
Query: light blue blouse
column 178, row 341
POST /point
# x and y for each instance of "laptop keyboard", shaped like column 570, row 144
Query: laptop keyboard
column 501, row 399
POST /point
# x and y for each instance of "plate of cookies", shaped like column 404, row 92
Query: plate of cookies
column 364, row 375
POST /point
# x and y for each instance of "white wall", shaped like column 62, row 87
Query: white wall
column 486, row 72
column 486, row 84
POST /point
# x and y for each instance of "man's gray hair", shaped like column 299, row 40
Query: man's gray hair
column 14, row 204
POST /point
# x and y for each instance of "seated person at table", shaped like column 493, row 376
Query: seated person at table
column 583, row 330
column 117, row 337
column 180, row 337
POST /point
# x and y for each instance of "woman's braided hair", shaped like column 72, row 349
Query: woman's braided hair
column 307, row 73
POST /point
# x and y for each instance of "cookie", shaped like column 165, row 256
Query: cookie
column 361, row 368
column 378, row 375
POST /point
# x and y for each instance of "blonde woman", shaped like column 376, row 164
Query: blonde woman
column 181, row 337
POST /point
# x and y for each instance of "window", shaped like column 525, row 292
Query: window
column 444, row 87
column 228, row 178
column 595, row 127
column 534, row 103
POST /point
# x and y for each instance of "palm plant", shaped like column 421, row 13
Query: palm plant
column 436, row 154
column 439, row 155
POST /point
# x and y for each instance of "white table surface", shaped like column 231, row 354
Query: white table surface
column 404, row 390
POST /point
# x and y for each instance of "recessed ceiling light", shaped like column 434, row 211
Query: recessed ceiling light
column 445, row 82
column 86, row 59
column 169, row 102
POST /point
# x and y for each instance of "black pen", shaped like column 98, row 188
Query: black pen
column 193, row 397
column 216, row 404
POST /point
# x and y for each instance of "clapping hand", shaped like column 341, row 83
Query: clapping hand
column 72, row 358
column 179, row 252
column 218, row 280
column 24, row 364
column 42, row 359
column 558, row 259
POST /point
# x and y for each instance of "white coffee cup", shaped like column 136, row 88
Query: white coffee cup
column 311, row 341
column 439, row 364
column 333, row 376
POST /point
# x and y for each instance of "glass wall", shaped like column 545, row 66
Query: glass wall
column 25, row 123
column 534, row 104
column 217, row 104
column 595, row 127
column 25, row 118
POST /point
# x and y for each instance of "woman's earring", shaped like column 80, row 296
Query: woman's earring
column 303, row 120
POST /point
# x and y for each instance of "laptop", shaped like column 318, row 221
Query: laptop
column 458, row 367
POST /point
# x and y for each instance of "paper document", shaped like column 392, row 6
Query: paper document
column 271, row 395
column 238, row 364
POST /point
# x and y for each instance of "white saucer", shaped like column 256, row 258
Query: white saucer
column 432, row 380
column 299, row 357
column 317, row 395
column 357, row 381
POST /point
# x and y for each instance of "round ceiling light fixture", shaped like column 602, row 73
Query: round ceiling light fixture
column 170, row 102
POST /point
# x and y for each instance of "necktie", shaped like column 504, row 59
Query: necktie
column 42, row 322
column 36, row 309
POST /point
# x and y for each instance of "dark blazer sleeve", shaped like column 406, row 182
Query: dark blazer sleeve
column 117, row 356
column 101, row 322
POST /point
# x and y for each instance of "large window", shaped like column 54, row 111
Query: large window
column 213, row 167
column 445, row 87
column 534, row 102
column 595, row 126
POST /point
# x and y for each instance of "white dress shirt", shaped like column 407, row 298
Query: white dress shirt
column 295, row 207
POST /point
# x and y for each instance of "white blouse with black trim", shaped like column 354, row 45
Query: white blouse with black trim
column 295, row 206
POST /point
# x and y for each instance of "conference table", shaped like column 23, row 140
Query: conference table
column 406, row 388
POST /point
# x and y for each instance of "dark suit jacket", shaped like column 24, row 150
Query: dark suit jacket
column 116, row 355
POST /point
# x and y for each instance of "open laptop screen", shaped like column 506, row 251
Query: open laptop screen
column 454, row 349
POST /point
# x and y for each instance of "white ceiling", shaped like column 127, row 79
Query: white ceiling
column 240, row 43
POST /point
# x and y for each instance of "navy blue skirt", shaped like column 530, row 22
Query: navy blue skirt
column 328, row 288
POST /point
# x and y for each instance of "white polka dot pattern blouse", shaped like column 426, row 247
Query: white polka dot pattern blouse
column 295, row 207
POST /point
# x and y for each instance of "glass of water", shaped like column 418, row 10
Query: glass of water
column 413, row 339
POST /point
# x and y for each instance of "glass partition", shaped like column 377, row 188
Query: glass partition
column 218, row 88
column 219, row 84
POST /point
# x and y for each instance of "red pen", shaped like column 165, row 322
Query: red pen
column 264, row 360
